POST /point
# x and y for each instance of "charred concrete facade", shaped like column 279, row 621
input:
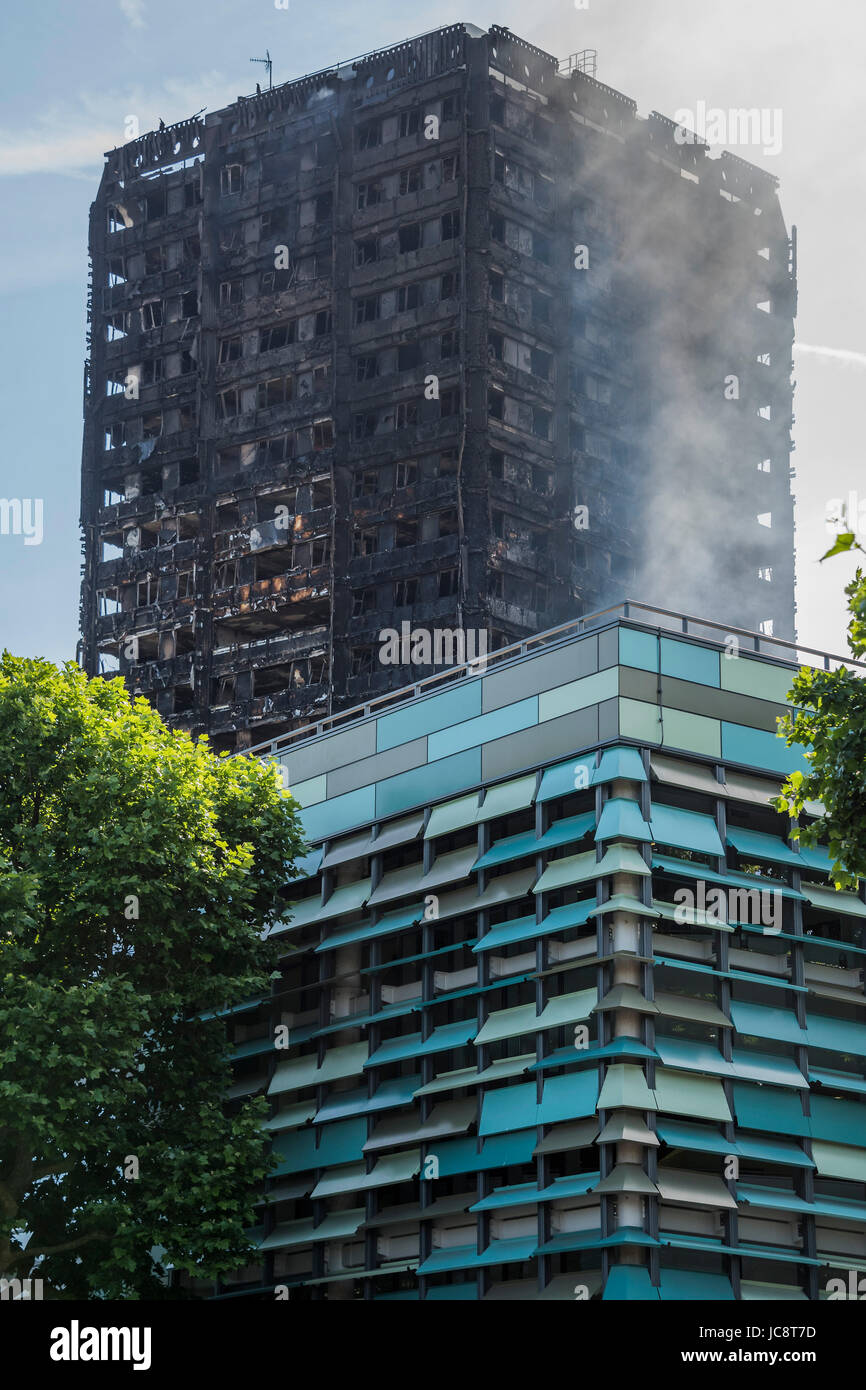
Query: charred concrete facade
column 441, row 335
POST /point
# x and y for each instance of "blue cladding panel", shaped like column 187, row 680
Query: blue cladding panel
column 758, row 748
column 438, row 712
column 497, row 724
column 341, row 813
column 689, row 663
column 431, row 783
column 639, row 649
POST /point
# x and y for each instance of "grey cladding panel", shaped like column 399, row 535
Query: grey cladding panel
column 555, row 739
column 377, row 768
column 542, row 672
column 337, row 750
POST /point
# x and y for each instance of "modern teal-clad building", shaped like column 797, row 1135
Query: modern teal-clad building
column 564, row 1012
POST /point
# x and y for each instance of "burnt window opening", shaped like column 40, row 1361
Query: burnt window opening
column 448, row 523
column 541, row 249
column 497, row 110
column 369, row 135
column 405, row 474
column 366, row 368
column 450, row 168
column 192, row 195
column 323, row 324
column 231, row 179
column 410, row 123
column 185, row 584
column 321, row 551
column 154, row 205
column 449, row 285
column 363, row 601
column 497, row 227
column 226, row 574
column 405, row 593
column 496, row 285
column 541, row 306
column 187, row 362
column 449, row 402
column 231, row 292
column 409, row 238
column 541, row 364
column 362, row 661
column 151, row 425
column 451, row 106
column 115, row 435
column 542, row 481
column 365, row 541
column 408, row 356
column 542, row 421
column 406, row 533
column 184, row 699
column 189, row 305
column 364, row 425
column 408, row 297
column 228, row 404
column 155, row 260
column 405, row 415
column 280, row 335
column 322, row 493
column 410, row 180
column 231, row 350
column 369, row 195
column 449, row 345
column 366, row 309
column 222, row 690
column 449, row 224
column 324, row 207
column 323, row 434
column 448, row 464
column 366, row 484
column 192, row 247
column 145, row 591
column 495, row 347
column 448, row 583
column 278, row 390
column 366, row 251
column 496, row 466
column 151, row 315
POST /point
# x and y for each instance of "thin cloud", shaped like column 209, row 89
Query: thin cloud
column 73, row 139
column 133, row 11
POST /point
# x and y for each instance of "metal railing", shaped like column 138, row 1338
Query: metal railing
column 775, row 648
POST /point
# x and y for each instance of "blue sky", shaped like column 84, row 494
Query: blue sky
column 74, row 71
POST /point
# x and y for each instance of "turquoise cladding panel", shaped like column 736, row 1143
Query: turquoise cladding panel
column 341, row 813
column 760, row 749
column 640, row 649
column 427, row 784
column 497, row 724
column 428, row 716
column 689, row 662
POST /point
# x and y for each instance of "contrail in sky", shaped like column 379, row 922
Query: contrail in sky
column 852, row 359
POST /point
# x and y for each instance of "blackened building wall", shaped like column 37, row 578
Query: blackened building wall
column 362, row 348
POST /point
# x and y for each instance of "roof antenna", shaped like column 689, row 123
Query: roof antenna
column 269, row 64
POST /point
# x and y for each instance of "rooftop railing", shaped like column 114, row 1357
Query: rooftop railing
column 644, row 614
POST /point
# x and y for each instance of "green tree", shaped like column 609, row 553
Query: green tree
column 830, row 720
column 138, row 875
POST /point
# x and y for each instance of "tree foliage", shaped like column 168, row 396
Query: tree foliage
column 830, row 721
column 138, row 874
